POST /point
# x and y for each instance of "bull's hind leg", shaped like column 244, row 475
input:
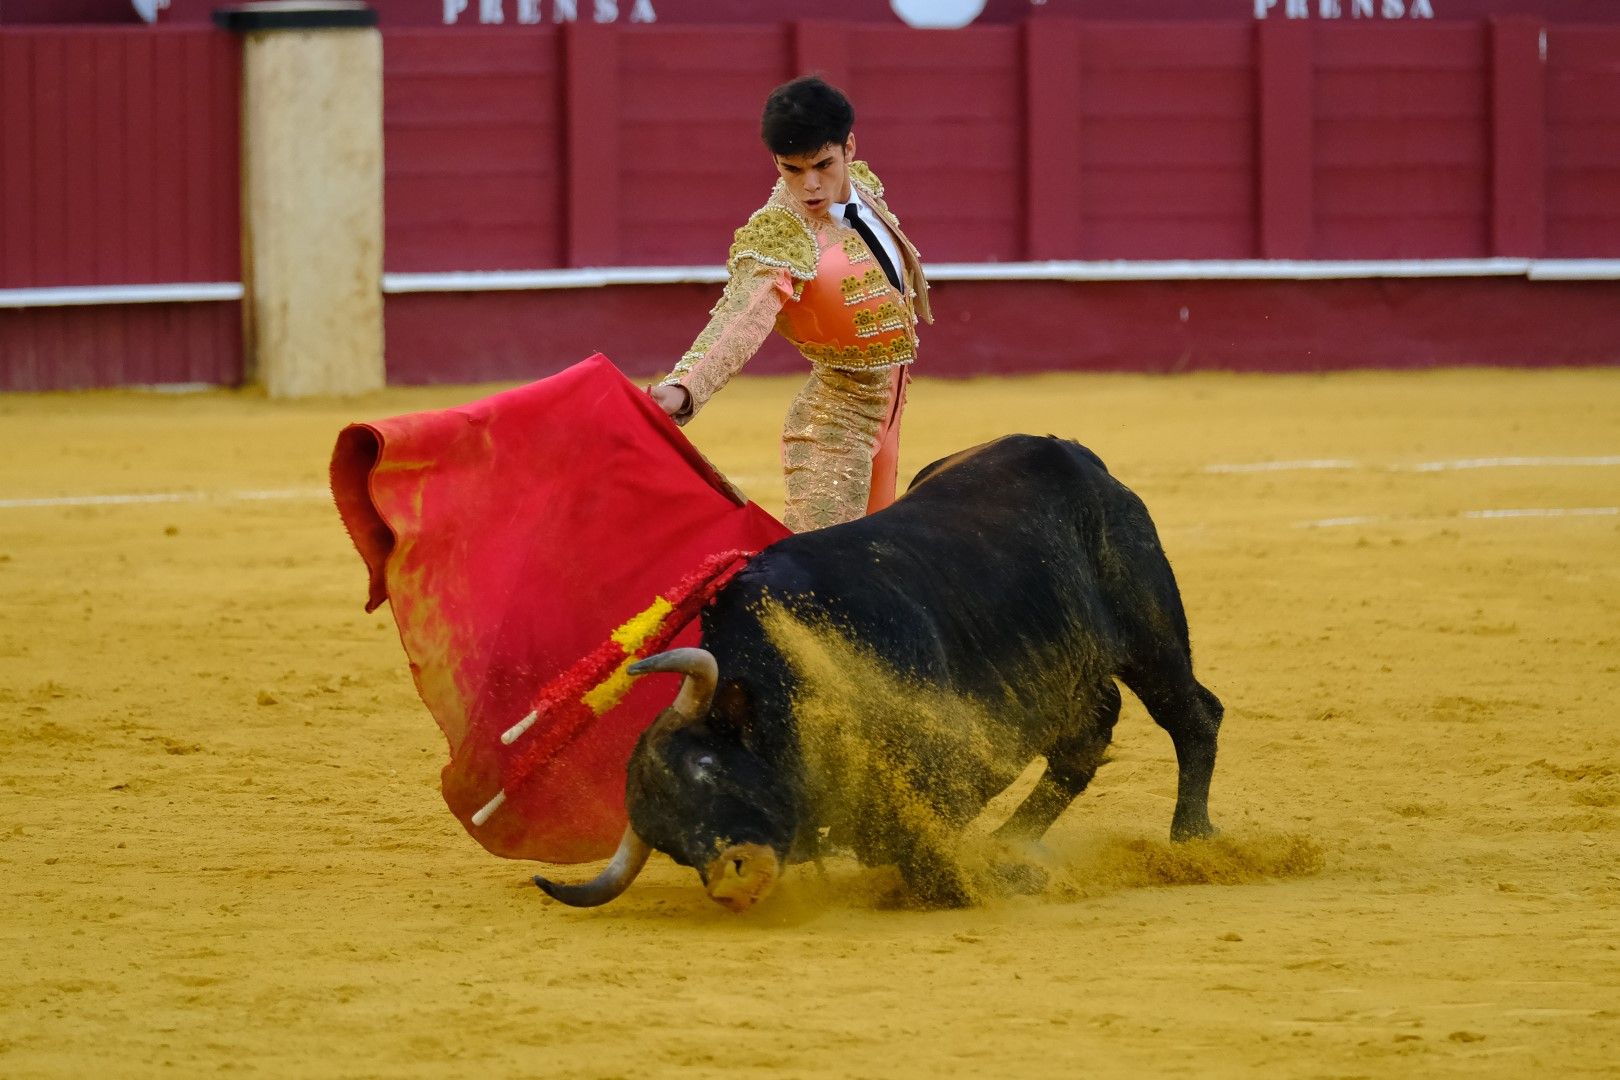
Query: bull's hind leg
column 1070, row 765
column 1192, row 715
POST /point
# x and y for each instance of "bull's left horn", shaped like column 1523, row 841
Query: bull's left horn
column 613, row 880
column 702, row 675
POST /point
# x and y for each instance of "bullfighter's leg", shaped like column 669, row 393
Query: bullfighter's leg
column 832, row 429
column 1070, row 765
column 1192, row 715
column 886, row 456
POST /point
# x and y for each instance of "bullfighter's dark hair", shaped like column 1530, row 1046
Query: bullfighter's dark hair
column 804, row 115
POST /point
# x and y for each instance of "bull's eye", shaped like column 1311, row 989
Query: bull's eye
column 701, row 768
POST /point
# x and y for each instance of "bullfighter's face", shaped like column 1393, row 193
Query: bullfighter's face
column 702, row 797
column 820, row 178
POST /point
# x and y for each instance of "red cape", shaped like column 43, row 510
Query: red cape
column 511, row 536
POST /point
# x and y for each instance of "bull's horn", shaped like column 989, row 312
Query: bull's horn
column 613, row 880
column 700, row 669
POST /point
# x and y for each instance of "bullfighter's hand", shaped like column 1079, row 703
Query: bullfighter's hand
column 673, row 398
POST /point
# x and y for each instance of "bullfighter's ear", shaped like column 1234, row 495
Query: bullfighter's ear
column 733, row 709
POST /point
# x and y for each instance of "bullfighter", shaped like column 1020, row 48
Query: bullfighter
column 824, row 263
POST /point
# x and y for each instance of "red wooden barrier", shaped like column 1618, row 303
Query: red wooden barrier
column 539, row 148
column 1287, row 141
column 592, row 146
column 1518, row 138
column 473, row 129
column 1401, row 162
column 118, row 166
column 118, row 157
column 1167, row 120
column 1583, row 142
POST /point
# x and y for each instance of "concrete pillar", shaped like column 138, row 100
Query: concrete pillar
column 312, row 196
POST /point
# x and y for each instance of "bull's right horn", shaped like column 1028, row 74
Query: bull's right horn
column 613, row 880
column 702, row 675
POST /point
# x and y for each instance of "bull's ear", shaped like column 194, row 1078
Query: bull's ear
column 733, row 710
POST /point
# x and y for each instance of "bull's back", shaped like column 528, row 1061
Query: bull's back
column 985, row 567
column 1038, row 456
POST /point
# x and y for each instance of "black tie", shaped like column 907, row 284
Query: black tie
column 871, row 239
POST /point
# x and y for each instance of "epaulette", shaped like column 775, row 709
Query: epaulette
column 861, row 171
column 777, row 237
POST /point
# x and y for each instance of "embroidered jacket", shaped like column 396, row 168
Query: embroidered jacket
column 815, row 282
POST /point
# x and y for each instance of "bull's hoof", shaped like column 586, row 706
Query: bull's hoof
column 943, row 897
column 1019, row 879
column 1199, row 829
column 939, row 888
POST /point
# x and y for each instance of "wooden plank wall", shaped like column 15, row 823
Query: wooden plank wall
column 592, row 146
column 118, row 157
column 1401, row 141
column 472, row 126
column 581, row 145
column 1168, row 151
column 119, row 164
column 1583, row 142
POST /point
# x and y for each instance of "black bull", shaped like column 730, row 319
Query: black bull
column 1019, row 576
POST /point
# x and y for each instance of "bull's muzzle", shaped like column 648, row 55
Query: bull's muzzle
column 742, row 875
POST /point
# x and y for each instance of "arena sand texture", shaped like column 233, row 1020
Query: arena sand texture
column 225, row 850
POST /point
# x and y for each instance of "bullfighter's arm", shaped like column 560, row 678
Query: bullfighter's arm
column 738, row 326
column 771, row 258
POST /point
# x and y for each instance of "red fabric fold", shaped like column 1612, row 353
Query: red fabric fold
column 511, row 536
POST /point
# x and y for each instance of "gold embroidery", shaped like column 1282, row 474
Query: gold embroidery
column 828, row 440
column 856, row 251
column 738, row 324
column 857, row 290
column 863, row 173
column 886, row 318
column 875, row 354
column 778, row 238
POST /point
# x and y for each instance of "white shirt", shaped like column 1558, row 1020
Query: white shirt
column 874, row 221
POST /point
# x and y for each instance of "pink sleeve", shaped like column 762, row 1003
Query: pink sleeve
column 738, row 326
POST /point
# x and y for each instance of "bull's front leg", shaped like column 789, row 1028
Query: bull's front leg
column 1070, row 765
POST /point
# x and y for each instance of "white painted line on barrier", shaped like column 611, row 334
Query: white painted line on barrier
column 1471, row 515
column 90, row 295
column 596, row 277
column 1229, row 269
column 164, row 497
column 1574, row 269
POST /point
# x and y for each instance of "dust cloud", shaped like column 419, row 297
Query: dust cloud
column 895, row 761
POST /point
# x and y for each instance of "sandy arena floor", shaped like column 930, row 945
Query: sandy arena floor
column 225, row 850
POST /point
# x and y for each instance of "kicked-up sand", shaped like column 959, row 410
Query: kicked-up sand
column 225, row 852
